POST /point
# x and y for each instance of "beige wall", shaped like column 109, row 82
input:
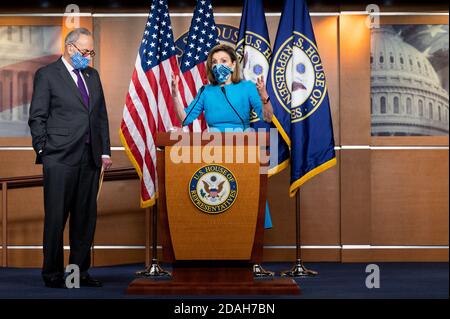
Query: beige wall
column 378, row 197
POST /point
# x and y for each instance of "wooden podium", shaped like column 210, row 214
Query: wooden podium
column 211, row 204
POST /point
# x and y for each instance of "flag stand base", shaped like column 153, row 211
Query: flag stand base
column 299, row 270
column 260, row 272
column 154, row 271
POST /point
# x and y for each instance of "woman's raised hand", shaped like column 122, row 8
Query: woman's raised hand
column 261, row 86
column 175, row 90
column 267, row 106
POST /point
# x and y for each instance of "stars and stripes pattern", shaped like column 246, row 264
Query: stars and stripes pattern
column 203, row 36
column 149, row 107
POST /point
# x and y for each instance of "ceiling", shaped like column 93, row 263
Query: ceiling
column 229, row 5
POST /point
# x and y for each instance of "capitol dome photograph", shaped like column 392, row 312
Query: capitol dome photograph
column 409, row 80
column 23, row 50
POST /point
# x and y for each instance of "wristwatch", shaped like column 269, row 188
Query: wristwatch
column 267, row 100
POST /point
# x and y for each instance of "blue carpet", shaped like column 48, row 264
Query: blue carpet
column 335, row 281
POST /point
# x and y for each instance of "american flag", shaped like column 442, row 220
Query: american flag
column 202, row 38
column 149, row 108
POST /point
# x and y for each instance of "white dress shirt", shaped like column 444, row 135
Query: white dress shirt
column 70, row 68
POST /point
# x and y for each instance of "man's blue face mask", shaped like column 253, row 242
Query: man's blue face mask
column 222, row 72
column 79, row 62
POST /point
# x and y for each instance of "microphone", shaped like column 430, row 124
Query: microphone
column 225, row 93
column 200, row 93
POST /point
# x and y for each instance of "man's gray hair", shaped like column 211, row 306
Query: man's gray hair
column 74, row 35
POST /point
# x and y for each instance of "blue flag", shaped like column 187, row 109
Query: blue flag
column 253, row 48
column 298, row 92
column 254, row 52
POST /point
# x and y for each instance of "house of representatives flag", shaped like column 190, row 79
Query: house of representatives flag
column 253, row 44
column 253, row 48
column 298, row 93
column 254, row 52
column 149, row 108
column 202, row 38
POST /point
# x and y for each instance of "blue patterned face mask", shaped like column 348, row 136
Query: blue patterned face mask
column 221, row 72
column 79, row 62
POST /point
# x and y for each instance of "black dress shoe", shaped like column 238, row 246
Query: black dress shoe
column 88, row 281
column 55, row 283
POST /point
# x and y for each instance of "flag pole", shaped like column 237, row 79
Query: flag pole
column 298, row 270
column 154, row 270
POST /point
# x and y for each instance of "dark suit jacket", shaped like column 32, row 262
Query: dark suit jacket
column 59, row 119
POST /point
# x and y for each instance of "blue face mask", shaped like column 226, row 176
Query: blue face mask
column 222, row 72
column 79, row 62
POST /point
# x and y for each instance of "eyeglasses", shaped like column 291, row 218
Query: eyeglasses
column 84, row 52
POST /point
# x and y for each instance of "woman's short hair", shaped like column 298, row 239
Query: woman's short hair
column 235, row 76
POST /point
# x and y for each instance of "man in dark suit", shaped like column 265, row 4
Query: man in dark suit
column 70, row 132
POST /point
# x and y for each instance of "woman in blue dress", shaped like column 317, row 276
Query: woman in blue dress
column 227, row 101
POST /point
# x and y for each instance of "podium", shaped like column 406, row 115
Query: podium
column 211, row 203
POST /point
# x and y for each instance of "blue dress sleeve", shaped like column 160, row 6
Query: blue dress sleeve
column 195, row 108
column 255, row 99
